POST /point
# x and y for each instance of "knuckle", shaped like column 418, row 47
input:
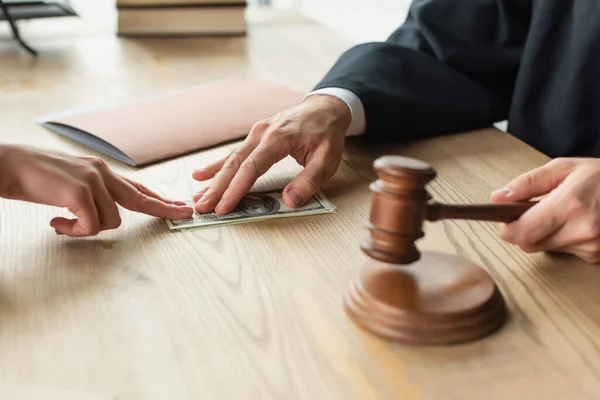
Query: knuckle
column 526, row 180
column 555, row 162
column 525, row 243
column 560, row 162
column 141, row 198
column 591, row 232
column 97, row 162
column 259, row 126
column 509, row 235
column 249, row 166
column 94, row 229
column 115, row 223
column 504, row 236
column 233, row 162
column 272, row 135
column 91, row 175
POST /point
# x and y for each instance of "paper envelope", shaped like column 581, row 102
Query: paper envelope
column 170, row 125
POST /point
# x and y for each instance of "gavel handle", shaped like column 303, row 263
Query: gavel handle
column 505, row 212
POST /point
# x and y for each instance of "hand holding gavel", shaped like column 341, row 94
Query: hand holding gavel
column 401, row 204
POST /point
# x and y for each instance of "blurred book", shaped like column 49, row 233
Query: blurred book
column 20, row 9
column 181, row 17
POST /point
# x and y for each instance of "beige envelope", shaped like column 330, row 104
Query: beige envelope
column 170, row 125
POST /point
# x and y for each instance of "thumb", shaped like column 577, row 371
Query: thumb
column 316, row 172
column 536, row 182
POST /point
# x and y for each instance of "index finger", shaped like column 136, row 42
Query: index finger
column 149, row 192
column 136, row 200
column 257, row 163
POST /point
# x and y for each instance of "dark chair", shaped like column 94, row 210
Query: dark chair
column 13, row 11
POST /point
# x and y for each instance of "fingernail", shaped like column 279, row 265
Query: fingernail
column 179, row 203
column 186, row 210
column 222, row 203
column 504, row 192
column 295, row 196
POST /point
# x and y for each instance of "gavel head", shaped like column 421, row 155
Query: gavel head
column 398, row 209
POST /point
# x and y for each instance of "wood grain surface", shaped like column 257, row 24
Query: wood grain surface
column 255, row 311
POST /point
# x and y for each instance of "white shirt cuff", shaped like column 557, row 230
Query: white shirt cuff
column 357, row 111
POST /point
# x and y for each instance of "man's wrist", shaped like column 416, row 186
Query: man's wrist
column 353, row 103
column 333, row 103
column 335, row 108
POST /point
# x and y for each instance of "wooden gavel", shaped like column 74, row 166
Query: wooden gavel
column 401, row 204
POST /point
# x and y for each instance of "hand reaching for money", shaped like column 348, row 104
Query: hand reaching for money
column 312, row 133
column 84, row 185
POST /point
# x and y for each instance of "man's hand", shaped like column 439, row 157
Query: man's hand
column 312, row 132
column 567, row 219
column 84, row 185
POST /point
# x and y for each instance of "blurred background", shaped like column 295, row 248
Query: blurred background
column 358, row 20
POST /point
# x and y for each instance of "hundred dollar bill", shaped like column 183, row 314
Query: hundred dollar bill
column 257, row 206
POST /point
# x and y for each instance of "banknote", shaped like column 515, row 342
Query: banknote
column 256, row 206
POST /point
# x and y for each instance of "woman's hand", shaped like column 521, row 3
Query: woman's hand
column 84, row 185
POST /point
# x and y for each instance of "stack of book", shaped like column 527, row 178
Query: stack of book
column 181, row 17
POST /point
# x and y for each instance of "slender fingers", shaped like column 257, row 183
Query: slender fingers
column 148, row 192
column 221, row 181
column 255, row 165
column 208, row 172
column 200, row 193
column 133, row 199
column 536, row 182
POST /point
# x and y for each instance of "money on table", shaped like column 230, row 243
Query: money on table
column 256, row 206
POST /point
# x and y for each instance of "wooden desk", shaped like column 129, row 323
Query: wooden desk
column 254, row 311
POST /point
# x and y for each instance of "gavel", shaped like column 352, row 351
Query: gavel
column 401, row 204
column 421, row 298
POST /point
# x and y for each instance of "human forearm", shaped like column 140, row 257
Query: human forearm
column 436, row 75
column 409, row 93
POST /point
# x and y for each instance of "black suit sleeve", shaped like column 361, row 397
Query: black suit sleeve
column 450, row 67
